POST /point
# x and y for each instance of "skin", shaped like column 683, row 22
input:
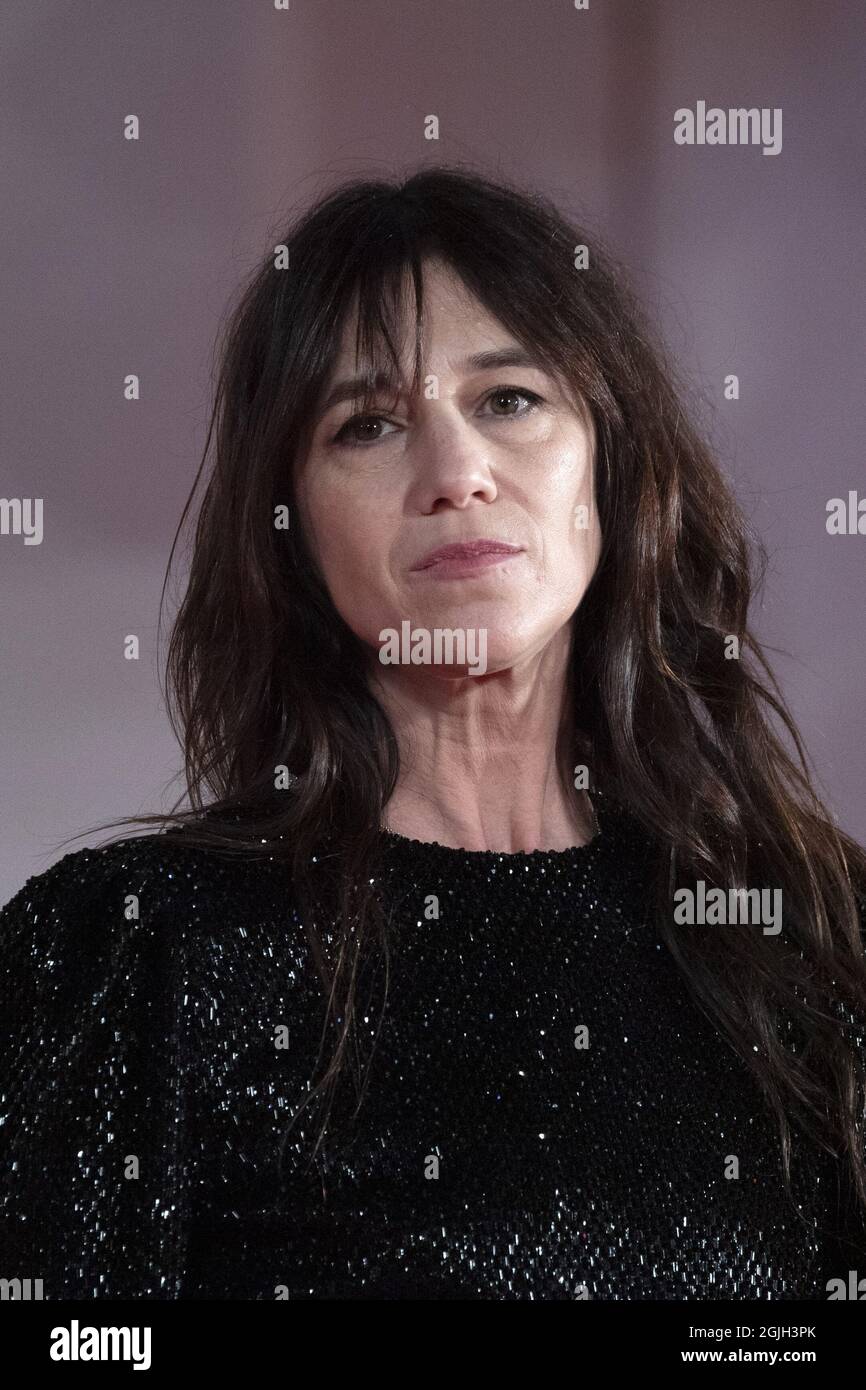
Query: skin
column 478, row 768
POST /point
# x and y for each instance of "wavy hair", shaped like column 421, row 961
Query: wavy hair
column 263, row 673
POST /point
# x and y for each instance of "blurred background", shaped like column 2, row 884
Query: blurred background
column 122, row 256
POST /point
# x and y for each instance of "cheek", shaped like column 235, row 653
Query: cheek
column 341, row 557
column 568, row 504
column 327, row 521
column 569, row 521
column 350, row 546
column 565, row 458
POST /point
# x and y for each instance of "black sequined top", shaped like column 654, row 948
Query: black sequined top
column 548, row 1115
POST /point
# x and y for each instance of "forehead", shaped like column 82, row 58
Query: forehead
column 458, row 333
column 452, row 315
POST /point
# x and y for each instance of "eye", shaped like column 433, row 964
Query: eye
column 530, row 396
column 345, row 434
column 356, row 430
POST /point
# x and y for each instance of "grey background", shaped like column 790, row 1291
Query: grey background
column 122, row 256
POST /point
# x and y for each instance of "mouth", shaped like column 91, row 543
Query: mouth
column 468, row 556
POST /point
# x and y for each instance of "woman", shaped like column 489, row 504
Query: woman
column 412, row 1001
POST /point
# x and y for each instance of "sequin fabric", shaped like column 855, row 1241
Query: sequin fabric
column 548, row 1115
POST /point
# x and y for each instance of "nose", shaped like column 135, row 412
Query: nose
column 452, row 463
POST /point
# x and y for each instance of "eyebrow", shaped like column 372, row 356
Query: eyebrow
column 351, row 388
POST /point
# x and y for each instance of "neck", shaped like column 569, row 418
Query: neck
column 479, row 756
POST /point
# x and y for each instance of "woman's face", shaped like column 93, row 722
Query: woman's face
column 490, row 452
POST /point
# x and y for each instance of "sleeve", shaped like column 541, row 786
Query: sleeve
column 846, row 1250
column 92, row 1186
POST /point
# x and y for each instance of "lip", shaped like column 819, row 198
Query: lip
column 468, row 555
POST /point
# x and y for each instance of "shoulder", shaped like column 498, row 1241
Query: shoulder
column 85, row 876
column 90, row 885
column 169, row 870
column 72, row 928
column 96, row 905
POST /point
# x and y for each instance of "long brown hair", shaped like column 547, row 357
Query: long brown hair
column 263, row 673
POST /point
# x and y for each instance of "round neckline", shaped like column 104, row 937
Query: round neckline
column 603, row 815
